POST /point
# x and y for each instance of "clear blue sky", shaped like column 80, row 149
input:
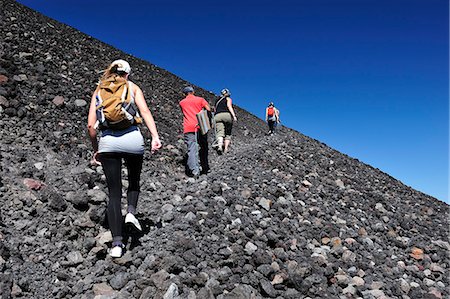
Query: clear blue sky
column 369, row 78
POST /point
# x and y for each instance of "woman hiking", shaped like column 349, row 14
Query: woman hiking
column 224, row 117
column 120, row 139
column 272, row 117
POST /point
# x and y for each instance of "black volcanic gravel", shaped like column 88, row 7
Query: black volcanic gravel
column 279, row 217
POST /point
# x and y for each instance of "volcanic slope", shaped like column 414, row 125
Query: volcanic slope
column 278, row 217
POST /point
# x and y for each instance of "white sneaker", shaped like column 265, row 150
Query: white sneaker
column 116, row 251
column 129, row 218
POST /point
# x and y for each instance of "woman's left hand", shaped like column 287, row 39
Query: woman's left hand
column 156, row 144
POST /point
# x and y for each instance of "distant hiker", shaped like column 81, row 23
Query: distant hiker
column 224, row 117
column 272, row 117
column 120, row 139
column 197, row 144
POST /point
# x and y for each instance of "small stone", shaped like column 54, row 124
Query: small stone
column 265, row 203
column 401, row 264
column 404, row 285
column 362, row 232
column 417, row 253
column 56, row 201
column 148, row 292
column 20, row 78
column 250, row 248
column 80, row 103
column 227, row 251
column 159, row 278
column 357, row 281
column 325, row 240
column 268, row 288
column 414, row 284
column 33, row 184
column 77, row 199
column 277, row 279
column 368, row 242
column 236, row 222
column 342, row 280
column 436, row 268
column 74, row 258
column 348, row 256
column 39, row 165
column 97, row 195
column 361, row 273
column 119, row 280
column 16, row 291
column 379, row 207
column 340, row 184
column 350, row 241
column 246, row 193
column 352, row 270
column 376, row 285
column 374, row 293
column 435, row 292
column 102, row 289
column 4, row 102
column 103, row 238
column 293, row 245
column 58, row 101
column 3, row 79
column 172, row 292
column 275, row 267
column 126, row 259
column 306, row 183
column 190, row 216
column 339, row 220
column 349, row 290
column 428, row 282
column 25, row 54
column 336, row 242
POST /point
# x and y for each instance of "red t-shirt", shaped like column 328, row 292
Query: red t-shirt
column 191, row 105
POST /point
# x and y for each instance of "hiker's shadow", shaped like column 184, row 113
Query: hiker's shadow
column 130, row 234
column 183, row 163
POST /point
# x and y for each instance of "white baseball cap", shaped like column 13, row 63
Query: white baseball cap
column 122, row 66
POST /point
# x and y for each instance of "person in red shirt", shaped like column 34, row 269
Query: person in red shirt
column 191, row 105
column 272, row 117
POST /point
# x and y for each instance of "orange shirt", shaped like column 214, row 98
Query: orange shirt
column 191, row 105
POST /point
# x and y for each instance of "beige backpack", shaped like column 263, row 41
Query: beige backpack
column 116, row 109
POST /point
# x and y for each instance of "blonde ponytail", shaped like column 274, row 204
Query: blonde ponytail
column 110, row 71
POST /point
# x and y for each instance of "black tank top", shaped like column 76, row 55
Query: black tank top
column 221, row 105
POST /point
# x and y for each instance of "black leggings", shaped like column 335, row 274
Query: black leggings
column 271, row 124
column 112, row 166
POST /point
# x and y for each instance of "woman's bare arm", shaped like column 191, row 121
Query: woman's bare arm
column 230, row 108
column 148, row 118
column 92, row 119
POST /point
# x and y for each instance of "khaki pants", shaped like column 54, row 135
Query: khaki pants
column 224, row 125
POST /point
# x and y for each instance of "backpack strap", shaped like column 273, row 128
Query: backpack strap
column 217, row 103
column 98, row 108
column 124, row 92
